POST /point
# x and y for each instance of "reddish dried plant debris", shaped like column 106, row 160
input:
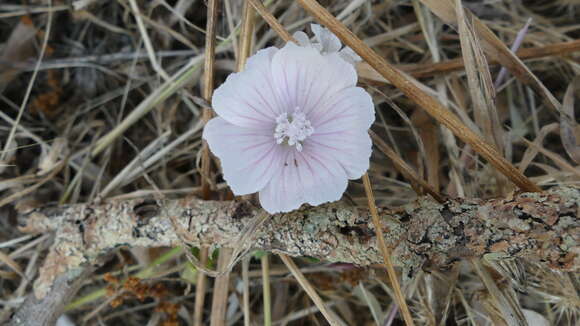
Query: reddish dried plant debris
column 137, row 288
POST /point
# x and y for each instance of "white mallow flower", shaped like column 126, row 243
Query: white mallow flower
column 327, row 43
column 292, row 126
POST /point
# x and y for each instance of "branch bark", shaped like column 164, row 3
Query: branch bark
column 46, row 311
column 541, row 227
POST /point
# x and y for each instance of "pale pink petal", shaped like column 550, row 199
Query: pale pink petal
column 302, row 38
column 341, row 130
column 348, row 55
column 304, row 77
column 326, row 43
column 352, row 149
column 246, row 98
column 249, row 157
column 305, row 177
column 329, row 42
column 350, row 108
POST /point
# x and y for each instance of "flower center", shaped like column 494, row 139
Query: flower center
column 293, row 130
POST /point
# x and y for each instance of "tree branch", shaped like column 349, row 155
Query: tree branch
column 45, row 311
column 541, row 227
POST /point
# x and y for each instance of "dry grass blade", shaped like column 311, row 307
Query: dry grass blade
column 568, row 126
column 12, row 133
column 159, row 95
column 267, row 294
column 480, row 85
column 425, row 101
column 557, row 159
column 404, row 168
column 271, row 20
column 246, row 295
column 424, row 70
column 208, row 84
column 428, row 131
column 200, row 289
column 221, row 289
column 558, row 49
column 147, row 40
column 247, row 32
column 399, row 297
column 426, row 127
column 309, row 289
column 4, row 258
column 479, row 81
column 22, row 193
column 495, row 49
column 510, row 311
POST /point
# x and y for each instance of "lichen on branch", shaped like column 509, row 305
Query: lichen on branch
column 540, row 227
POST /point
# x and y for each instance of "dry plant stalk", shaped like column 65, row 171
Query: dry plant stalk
column 212, row 10
column 541, row 227
column 309, row 289
column 386, row 253
column 272, row 21
column 219, row 302
column 208, row 85
column 425, row 70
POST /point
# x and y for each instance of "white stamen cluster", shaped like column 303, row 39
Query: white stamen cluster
column 293, row 130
